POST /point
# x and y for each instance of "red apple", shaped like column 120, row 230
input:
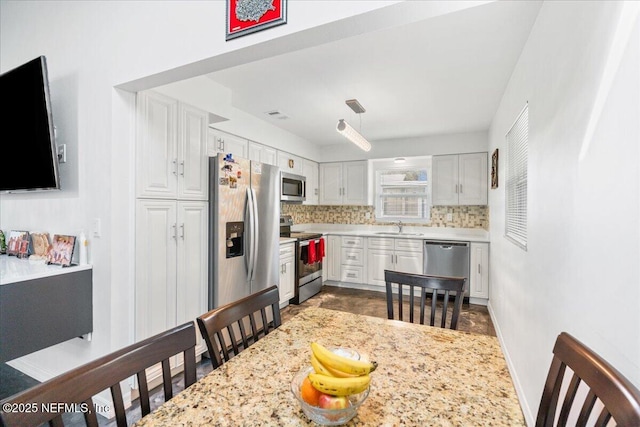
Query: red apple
column 326, row 401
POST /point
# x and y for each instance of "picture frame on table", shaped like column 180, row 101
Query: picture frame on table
column 61, row 250
column 18, row 244
column 249, row 16
column 494, row 169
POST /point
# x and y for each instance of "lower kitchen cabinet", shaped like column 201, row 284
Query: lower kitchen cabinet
column 170, row 266
column 333, row 257
column 352, row 259
column 392, row 254
column 479, row 273
column 287, row 286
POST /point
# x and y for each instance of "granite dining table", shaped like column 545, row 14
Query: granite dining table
column 426, row 376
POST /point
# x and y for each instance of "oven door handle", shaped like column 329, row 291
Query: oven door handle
column 306, row 242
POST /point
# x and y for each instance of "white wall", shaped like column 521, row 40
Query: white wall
column 471, row 142
column 92, row 48
column 580, row 273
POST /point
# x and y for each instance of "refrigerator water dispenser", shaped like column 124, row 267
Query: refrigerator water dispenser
column 234, row 239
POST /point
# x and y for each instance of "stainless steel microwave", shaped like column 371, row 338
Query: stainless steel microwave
column 293, row 188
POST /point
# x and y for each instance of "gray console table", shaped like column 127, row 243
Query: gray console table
column 42, row 305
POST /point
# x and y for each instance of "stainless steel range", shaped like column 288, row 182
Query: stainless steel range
column 309, row 254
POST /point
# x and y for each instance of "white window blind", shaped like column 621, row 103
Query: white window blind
column 516, row 179
column 403, row 194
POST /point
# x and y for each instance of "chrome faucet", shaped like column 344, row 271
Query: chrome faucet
column 400, row 226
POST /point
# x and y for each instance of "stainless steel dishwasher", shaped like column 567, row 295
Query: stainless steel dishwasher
column 445, row 258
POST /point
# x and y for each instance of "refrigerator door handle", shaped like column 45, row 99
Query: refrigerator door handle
column 255, row 233
column 248, row 219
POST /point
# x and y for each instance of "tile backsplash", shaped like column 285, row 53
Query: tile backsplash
column 461, row 216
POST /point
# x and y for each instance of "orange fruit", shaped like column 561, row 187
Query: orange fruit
column 309, row 393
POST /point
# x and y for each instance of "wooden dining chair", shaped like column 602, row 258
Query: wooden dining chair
column 73, row 391
column 229, row 329
column 423, row 285
column 618, row 398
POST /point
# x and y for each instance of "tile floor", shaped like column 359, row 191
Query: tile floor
column 474, row 318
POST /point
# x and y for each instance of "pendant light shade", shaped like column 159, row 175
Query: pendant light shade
column 353, row 135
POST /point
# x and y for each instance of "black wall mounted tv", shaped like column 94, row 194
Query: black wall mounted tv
column 29, row 154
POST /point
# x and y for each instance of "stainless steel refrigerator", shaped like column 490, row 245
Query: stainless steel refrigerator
column 244, row 228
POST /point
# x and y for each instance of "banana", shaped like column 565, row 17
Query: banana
column 339, row 386
column 319, row 367
column 335, row 362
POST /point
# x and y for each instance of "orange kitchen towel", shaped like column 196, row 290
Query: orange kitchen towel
column 321, row 249
column 312, row 252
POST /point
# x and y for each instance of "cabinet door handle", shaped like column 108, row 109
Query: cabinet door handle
column 175, row 236
column 182, row 231
column 456, row 188
column 175, row 167
column 182, row 164
column 460, row 188
column 315, row 191
column 352, row 275
column 351, row 257
column 479, row 269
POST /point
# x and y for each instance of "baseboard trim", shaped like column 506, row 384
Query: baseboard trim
column 524, row 406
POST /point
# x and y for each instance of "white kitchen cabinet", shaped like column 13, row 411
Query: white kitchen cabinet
column 287, row 286
column 310, row 170
column 333, row 258
column 171, row 284
column 385, row 253
column 263, row 153
column 290, row 163
column 479, row 273
column 171, row 156
column 219, row 142
column 460, row 179
column 343, row 183
column 352, row 259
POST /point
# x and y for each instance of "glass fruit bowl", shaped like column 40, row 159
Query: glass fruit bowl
column 327, row 417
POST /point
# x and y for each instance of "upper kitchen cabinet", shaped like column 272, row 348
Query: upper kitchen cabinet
column 310, row 171
column 287, row 162
column 343, row 183
column 171, row 156
column 460, row 179
column 220, row 142
column 263, row 153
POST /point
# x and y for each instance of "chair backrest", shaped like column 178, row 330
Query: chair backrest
column 619, row 399
column 221, row 326
column 73, row 390
column 435, row 286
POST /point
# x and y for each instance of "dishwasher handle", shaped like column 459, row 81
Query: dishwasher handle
column 446, row 244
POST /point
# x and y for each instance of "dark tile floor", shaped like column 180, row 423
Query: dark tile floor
column 474, row 318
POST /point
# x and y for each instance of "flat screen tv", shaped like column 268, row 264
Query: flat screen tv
column 30, row 160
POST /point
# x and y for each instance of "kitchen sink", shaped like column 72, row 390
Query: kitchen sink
column 396, row 233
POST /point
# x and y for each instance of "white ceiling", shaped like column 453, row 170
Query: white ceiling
column 442, row 75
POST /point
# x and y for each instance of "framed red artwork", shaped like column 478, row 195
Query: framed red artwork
column 248, row 16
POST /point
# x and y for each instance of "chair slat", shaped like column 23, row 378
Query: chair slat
column 603, row 418
column 434, row 301
column 143, row 391
column 166, row 379
column 423, row 300
column 586, row 409
column 237, row 315
column 90, row 417
column 570, row 395
column 118, row 405
column 444, row 309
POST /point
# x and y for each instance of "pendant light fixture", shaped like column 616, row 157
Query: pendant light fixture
column 350, row 133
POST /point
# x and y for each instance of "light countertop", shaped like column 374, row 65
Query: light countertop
column 13, row 269
column 285, row 240
column 425, row 376
column 409, row 232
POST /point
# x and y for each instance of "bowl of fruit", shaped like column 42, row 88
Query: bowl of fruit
column 331, row 390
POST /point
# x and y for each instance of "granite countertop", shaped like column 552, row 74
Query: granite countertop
column 425, row 376
column 409, row 232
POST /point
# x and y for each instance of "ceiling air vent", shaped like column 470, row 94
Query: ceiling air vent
column 275, row 114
